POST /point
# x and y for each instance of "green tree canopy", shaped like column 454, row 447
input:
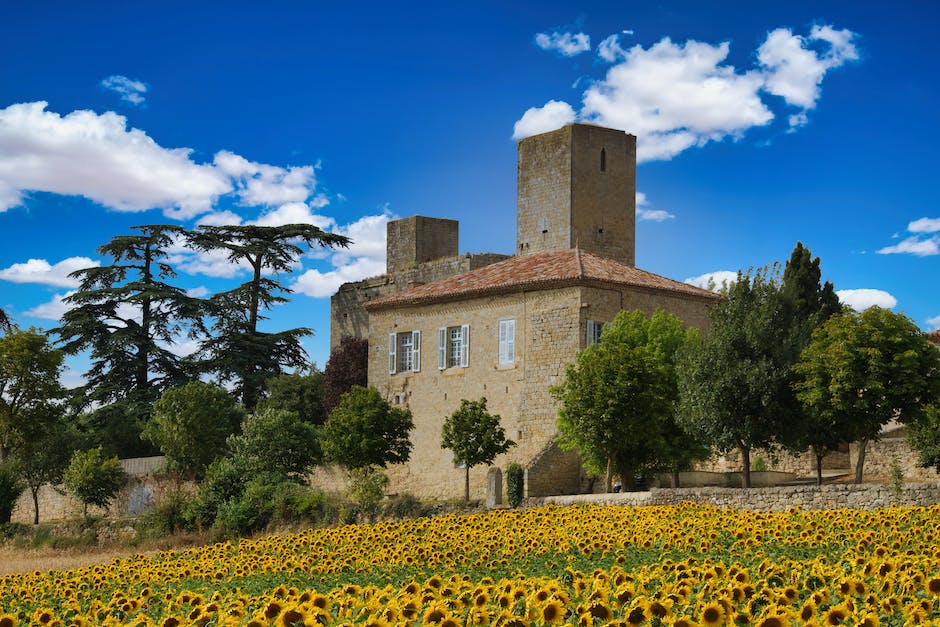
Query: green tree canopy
column 42, row 450
column 734, row 388
column 93, row 478
column 238, row 351
column 860, row 371
column 618, row 399
column 276, row 442
column 364, row 430
column 474, row 436
column 29, row 384
column 298, row 393
column 190, row 425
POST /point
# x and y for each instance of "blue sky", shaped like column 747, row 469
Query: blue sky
column 757, row 126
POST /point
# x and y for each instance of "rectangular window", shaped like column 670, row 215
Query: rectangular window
column 404, row 352
column 507, row 342
column 594, row 330
column 453, row 347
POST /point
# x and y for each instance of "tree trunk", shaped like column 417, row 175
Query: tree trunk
column 609, row 485
column 819, row 458
column 143, row 341
column 466, row 484
column 746, row 462
column 675, row 478
column 35, row 492
column 860, row 462
column 626, row 477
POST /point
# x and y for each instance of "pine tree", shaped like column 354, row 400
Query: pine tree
column 238, row 351
column 127, row 315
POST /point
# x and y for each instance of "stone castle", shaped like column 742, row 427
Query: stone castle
column 444, row 327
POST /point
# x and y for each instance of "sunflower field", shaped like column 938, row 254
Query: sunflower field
column 583, row 565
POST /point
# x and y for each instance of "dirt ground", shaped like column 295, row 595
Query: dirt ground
column 13, row 560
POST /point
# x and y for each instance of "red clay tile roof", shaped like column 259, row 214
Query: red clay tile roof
column 537, row 271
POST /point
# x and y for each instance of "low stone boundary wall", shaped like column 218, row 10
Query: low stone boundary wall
column 832, row 496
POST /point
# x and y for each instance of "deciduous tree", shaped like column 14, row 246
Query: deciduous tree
column 276, row 442
column 299, row 393
column 93, row 478
column 734, row 387
column 364, row 430
column 860, row 371
column 238, row 350
column 618, row 398
column 190, row 426
column 474, row 436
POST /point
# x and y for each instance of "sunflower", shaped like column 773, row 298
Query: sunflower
column 869, row 620
column 684, row 622
column 933, row 586
column 835, row 615
column 712, row 615
column 552, row 612
column 600, row 610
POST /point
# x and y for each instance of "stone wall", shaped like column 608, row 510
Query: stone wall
column 833, row 496
column 143, row 490
column 880, row 455
column 349, row 317
column 418, row 239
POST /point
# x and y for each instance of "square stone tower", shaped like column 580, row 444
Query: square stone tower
column 577, row 187
column 418, row 239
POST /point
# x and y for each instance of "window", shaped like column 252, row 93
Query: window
column 453, row 347
column 594, row 330
column 507, row 342
column 404, row 352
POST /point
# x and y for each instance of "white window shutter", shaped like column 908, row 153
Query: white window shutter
column 465, row 345
column 510, row 341
column 503, row 341
column 392, row 345
column 416, row 351
column 442, row 348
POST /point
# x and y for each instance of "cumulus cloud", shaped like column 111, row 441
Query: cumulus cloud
column 674, row 96
column 262, row 184
column 552, row 115
column 96, row 156
column 130, row 90
column 714, row 281
column 862, row 299
column 794, row 67
column 51, row 310
column 644, row 213
column 922, row 244
column 566, row 44
column 934, row 323
column 363, row 259
column 42, row 272
column 924, row 225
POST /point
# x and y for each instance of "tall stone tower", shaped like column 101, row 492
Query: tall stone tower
column 577, row 187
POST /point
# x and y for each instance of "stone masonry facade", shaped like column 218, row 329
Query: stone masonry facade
column 443, row 327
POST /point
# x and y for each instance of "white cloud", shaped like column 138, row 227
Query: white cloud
column 862, row 299
column 99, row 158
column 609, row 49
column 644, row 213
column 318, row 284
column 51, row 310
column 675, row 96
column 129, row 90
column 714, row 281
column 42, row 272
column 220, row 218
column 794, row 70
column 262, row 184
column 914, row 246
column 95, row 156
column 294, row 213
column 924, row 225
column 567, row 44
column 552, row 115
column 934, row 323
column 198, row 292
column 363, row 259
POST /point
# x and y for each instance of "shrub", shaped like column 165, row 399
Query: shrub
column 168, row 516
column 404, row 506
column 11, row 487
column 366, row 490
column 515, row 484
column 94, row 479
column 251, row 511
column 223, row 482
